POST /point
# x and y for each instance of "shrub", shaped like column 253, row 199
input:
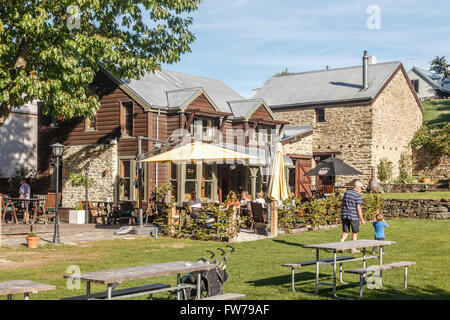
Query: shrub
column 372, row 204
column 434, row 140
column 287, row 215
column 384, row 170
column 405, row 169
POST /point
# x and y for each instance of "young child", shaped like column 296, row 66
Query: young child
column 379, row 226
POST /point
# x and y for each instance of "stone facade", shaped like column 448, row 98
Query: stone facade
column 396, row 118
column 103, row 170
column 302, row 147
column 363, row 134
column 417, row 208
column 433, row 166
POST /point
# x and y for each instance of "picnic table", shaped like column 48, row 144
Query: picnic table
column 336, row 247
column 23, row 286
column 112, row 278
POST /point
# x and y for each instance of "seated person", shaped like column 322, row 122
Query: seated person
column 194, row 204
column 244, row 198
column 260, row 199
column 233, row 200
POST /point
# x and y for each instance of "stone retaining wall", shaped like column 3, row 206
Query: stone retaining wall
column 415, row 187
column 417, row 208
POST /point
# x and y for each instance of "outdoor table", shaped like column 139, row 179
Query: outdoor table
column 341, row 247
column 23, row 286
column 13, row 201
column 113, row 277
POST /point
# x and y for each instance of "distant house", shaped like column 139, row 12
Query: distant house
column 360, row 114
column 429, row 85
column 18, row 140
column 159, row 106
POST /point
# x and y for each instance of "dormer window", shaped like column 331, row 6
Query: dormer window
column 202, row 129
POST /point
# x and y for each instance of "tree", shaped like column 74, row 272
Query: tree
column 51, row 50
column 439, row 65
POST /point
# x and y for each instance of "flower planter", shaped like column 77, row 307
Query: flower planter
column 77, row 217
column 33, row 242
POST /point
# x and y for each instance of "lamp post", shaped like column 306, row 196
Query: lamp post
column 57, row 150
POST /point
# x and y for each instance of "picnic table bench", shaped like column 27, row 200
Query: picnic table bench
column 26, row 287
column 112, row 278
column 295, row 265
column 378, row 268
column 226, row 296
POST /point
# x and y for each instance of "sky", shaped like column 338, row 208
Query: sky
column 245, row 42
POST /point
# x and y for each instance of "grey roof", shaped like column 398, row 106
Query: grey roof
column 434, row 79
column 294, row 131
column 180, row 87
column 244, row 108
column 325, row 86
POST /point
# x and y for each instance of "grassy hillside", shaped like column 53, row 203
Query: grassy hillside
column 437, row 112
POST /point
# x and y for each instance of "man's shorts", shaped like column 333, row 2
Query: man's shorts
column 348, row 224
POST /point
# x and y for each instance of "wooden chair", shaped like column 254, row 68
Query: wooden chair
column 257, row 213
column 98, row 214
column 7, row 207
column 127, row 211
column 47, row 208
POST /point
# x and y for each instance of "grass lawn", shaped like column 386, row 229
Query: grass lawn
column 417, row 195
column 437, row 112
column 255, row 267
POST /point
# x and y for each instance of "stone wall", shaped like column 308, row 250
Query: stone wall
column 416, row 208
column 415, row 187
column 428, row 164
column 347, row 130
column 302, row 147
column 102, row 163
column 396, row 118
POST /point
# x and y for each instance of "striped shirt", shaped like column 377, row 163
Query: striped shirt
column 351, row 199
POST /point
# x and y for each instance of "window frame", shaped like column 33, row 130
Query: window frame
column 123, row 118
column 320, row 115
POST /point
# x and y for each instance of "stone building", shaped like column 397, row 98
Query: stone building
column 360, row 114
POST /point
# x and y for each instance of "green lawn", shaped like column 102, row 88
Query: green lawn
column 255, row 267
column 417, row 195
column 437, row 112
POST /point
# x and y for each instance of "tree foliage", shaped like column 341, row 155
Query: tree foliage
column 440, row 66
column 435, row 140
column 50, row 50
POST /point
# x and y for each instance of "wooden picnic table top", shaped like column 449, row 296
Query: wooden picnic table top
column 23, row 286
column 142, row 272
column 347, row 245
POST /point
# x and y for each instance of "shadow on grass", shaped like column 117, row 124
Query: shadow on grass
column 288, row 243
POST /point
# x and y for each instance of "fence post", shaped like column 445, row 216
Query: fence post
column 274, row 218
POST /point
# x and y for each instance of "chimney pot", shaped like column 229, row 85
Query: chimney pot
column 365, row 68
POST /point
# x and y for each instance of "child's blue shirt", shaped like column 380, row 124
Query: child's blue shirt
column 379, row 229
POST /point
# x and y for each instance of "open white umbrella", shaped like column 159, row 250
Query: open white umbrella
column 278, row 189
column 198, row 151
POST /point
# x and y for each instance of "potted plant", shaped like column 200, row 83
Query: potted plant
column 32, row 240
column 77, row 215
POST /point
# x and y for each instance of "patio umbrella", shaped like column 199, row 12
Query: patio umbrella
column 277, row 185
column 333, row 167
column 198, row 151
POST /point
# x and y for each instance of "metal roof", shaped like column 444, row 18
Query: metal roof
column 325, row 86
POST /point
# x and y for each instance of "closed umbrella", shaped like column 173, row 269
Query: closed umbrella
column 278, row 189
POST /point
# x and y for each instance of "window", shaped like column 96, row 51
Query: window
column 191, row 180
column 207, row 181
column 415, row 84
column 174, row 182
column 128, row 188
column 91, row 123
column 320, row 115
column 126, row 120
column 203, row 129
column 261, row 136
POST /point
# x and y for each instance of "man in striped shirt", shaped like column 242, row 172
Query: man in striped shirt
column 352, row 212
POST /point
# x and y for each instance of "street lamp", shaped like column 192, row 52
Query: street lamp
column 86, row 186
column 57, row 150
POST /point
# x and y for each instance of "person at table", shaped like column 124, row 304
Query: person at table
column 233, row 201
column 24, row 193
column 352, row 213
column 194, row 204
column 260, row 199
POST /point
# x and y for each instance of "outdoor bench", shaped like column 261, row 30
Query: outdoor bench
column 378, row 268
column 226, row 296
column 26, row 287
column 295, row 265
column 123, row 293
